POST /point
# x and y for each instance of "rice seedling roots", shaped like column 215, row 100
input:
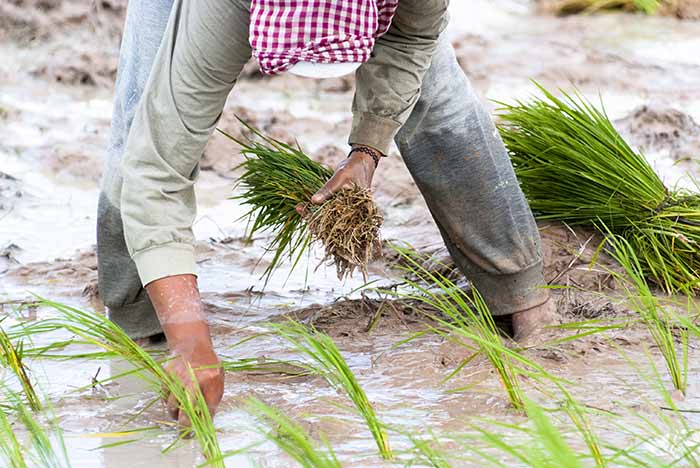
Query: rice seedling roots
column 276, row 179
column 348, row 227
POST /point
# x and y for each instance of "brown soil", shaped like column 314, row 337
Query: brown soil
column 659, row 128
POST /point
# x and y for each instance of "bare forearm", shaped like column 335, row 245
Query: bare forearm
column 179, row 308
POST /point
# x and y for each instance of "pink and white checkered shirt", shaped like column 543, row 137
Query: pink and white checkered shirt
column 285, row 32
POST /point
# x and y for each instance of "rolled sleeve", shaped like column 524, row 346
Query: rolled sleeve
column 165, row 260
column 374, row 131
column 389, row 83
column 204, row 48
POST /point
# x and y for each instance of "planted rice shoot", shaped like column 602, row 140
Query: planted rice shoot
column 329, row 363
column 11, row 356
column 658, row 319
column 292, row 438
column 659, row 436
column 99, row 331
column 429, row 452
column 277, row 178
column 575, row 167
column 579, row 418
column 40, row 450
column 544, row 447
column 468, row 318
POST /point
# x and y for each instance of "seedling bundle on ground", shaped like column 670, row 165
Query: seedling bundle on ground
column 575, row 167
column 567, row 7
column 277, row 178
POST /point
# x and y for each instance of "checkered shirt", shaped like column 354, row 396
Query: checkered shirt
column 284, row 32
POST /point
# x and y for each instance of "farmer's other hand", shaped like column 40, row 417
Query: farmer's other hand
column 208, row 374
column 358, row 170
column 179, row 308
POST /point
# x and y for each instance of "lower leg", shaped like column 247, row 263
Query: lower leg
column 459, row 163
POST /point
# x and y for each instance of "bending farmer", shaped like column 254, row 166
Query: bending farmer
column 179, row 61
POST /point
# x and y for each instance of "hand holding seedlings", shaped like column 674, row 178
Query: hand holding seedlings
column 280, row 183
column 179, row 308
column 357, row 170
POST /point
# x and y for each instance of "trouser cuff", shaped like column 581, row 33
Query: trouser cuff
column 509, row 294
column 138, row 320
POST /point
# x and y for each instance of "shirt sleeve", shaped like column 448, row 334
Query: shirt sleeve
column 389, row 83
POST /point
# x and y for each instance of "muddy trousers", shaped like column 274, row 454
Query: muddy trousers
column 119, row 283
column 459, row 163
column 449, row 144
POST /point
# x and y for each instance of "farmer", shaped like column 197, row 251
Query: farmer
column 179, row 61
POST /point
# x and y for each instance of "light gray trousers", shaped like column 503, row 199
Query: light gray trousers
column 449, row 144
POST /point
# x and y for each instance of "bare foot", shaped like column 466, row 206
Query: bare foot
column 529, row 323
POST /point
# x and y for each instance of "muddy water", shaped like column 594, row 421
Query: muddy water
column 52, row 138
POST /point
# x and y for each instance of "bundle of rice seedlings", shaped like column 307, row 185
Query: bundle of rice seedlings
column 329, row 363
column 99, row 331
column 467, row 318
column 574, row 166
column 276, row 179
column 11, row 356
column 660, row 321
column 292, row 438
column 569, row 7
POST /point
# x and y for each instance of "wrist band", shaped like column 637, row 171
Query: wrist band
column 376, row 155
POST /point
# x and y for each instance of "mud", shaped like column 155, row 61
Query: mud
column 59, row 62
column 661, row 129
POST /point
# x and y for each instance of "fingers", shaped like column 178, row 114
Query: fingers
column 210, row 383
column 214, row 393
column 184, row 421
column 303, row 210
column 335, row 183
column 173, row 407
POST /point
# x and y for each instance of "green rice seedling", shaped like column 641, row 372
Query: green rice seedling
column 658, row 435
column 11, row 356
column 329, row 363
column 40, row 451
column 266, row 366
column 277, row 178
column 579, row 418
column 292, row 438
column 99, row 331
column 659, row 320
column 538, row 445
column 467, row 317
column 429, row 452
column 574, row 166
